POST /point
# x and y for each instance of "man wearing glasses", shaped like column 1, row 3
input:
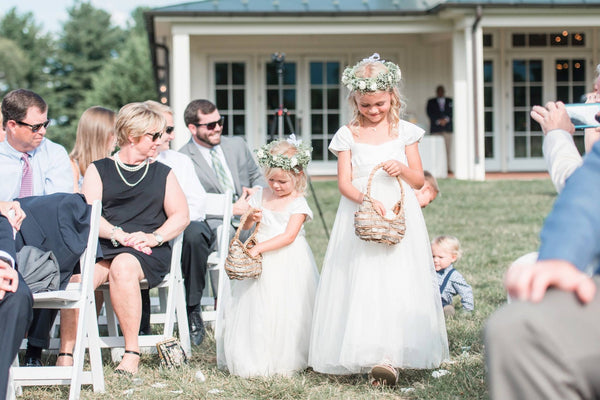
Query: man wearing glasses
column 31, row 165
column 221, row 163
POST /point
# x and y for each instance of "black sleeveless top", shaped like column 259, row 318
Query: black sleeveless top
column 137, row 208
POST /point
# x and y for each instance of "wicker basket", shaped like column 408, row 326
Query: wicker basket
column 239, row 264
column 371, row 226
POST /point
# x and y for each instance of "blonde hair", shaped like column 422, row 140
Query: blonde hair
column 369, row 70
column 448, row 243
column 95, row 128
column 137, row 119
column 299, row 178
column 159, row 107
column 429, row 178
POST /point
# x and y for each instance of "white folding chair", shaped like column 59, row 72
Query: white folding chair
column 217, row 205
column 174, row 309
column 78, row 296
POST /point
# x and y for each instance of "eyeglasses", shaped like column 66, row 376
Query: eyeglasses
column 169, row 129
column 155, row 136
column 212, row 125
column 34, row 128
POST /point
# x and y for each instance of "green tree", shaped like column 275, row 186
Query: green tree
column 128, row 77
column 88, row 41
column 26, row 56
column 14, row 63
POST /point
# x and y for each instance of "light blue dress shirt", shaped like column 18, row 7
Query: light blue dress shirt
column 52, row 171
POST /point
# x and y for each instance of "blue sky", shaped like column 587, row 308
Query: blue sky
column 52, row 13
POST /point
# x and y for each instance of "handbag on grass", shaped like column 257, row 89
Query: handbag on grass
column 239, row 264
column 171, row 353
column 371, row 226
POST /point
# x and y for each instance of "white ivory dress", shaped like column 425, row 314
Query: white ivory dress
column 377, row 302
column 264, row 325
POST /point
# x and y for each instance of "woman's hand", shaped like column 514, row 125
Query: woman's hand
column 393, row 167
column 140, row 241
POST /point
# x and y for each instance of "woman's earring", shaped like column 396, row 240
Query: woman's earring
column 131, row 143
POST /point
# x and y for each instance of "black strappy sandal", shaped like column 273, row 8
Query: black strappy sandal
column 124, row 372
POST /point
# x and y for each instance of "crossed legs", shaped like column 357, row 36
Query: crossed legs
column 124, row 273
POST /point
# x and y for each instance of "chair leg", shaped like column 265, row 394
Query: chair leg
column 94, row 348
column 182, row 320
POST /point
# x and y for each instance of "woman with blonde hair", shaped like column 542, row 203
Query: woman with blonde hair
column 143, row 207
column 95, row 140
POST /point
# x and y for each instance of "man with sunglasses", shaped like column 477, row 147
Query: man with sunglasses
column 32, row 165
column 221, row 163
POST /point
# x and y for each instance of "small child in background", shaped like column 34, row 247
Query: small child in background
column 446, row 251
column 429, row 191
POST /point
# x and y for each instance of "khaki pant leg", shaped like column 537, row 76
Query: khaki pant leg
column 448, row 139
column 549, row 350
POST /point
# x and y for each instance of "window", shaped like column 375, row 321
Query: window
column 571, row 87
column 324, row 106
column 275, row 122
column 527, row 92
column 560, row 39
column 230, row 95
column 488, row 107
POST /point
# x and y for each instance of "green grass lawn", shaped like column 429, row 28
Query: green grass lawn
column 496, row 222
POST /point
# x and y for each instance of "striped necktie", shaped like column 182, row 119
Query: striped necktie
column 220, row 171
column 26, row 178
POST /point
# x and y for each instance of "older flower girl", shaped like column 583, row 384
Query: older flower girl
column 378, row 306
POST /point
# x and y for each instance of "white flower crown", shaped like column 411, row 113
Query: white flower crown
column 383, row 81
column 297, row 162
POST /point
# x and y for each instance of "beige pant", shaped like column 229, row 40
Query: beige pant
column 448, row 139
column 549, row 350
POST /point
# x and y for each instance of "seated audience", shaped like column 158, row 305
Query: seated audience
column 32, row 165
column 143, row 207
column 446, row 251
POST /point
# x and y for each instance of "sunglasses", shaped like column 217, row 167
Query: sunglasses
column 212, row 125
column 155, row 136
column 169, row 129
column 34, row 128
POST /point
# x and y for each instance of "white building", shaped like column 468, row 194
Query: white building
column 495, row 58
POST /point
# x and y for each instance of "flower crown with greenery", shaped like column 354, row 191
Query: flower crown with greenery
column 296, row 162
column 383, row 81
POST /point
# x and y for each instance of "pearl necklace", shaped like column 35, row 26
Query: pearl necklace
column 119, row 163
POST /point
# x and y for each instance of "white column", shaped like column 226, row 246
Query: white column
column 468, row 161
column 180, row 86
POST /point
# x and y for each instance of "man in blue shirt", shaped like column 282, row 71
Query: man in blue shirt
column 545, row 346
column 31, row 165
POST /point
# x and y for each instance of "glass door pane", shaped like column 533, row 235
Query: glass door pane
column 571, row 87
column 286, row 119
column 527, row 91
column 230, row 96
column 324, row 109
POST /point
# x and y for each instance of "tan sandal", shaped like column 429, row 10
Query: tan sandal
column 385, row 373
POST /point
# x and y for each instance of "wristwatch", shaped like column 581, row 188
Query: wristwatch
column 158, row 238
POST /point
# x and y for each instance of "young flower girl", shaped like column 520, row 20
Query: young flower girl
column 378, row 306
column 264, row 326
